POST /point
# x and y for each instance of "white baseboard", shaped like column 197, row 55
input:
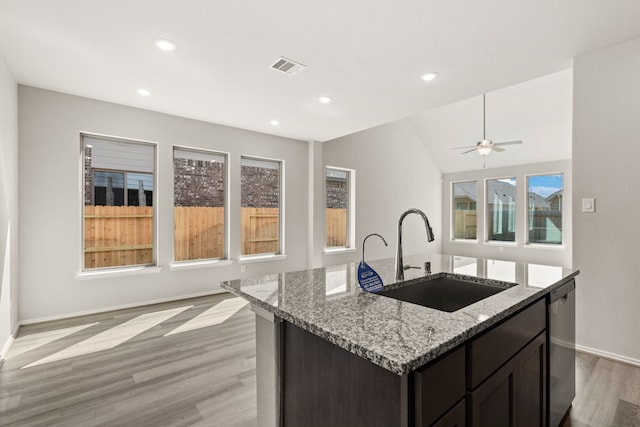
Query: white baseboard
column 608, row 355
column 117, row 307
column 7, row 345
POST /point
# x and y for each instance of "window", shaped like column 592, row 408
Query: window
column 261, row 203
column 199, row 200
column 339, row 202
column 119, row 185
column 464, row 196
column 501, row 209
column 544, row 208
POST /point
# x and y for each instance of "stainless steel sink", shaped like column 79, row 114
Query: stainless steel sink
column 444, row 293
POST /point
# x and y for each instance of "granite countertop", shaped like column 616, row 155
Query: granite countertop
column 396, row 335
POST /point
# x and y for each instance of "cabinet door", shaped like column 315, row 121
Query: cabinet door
column 454, row 418
column 515, row 395
column 492, row 403
column 531, row 380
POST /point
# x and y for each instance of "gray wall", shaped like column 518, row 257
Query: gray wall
column 8, row 204
column 606, row 152
column 50, row 183
column 394, row 172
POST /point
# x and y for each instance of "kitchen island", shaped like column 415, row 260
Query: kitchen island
column 332, row 354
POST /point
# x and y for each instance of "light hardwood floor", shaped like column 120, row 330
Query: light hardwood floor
column 192, row 363
column 607, row 394
column 64, row 373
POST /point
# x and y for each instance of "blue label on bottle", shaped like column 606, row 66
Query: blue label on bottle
column 368, row 279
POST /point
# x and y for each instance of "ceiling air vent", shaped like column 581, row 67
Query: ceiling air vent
column 288, row 66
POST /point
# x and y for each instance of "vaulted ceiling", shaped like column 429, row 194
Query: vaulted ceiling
column 365, row 55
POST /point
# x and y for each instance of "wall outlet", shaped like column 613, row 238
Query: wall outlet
column 243, row 269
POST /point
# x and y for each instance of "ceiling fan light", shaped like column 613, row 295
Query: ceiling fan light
column 484, row 151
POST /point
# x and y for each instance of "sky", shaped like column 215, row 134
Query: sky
column 545, row 184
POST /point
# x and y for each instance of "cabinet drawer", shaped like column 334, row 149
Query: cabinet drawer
column 489, row 351
column 438, row 386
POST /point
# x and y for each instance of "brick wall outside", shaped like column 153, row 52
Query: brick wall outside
column 198, row 183
column 337, row 194
column 259, row 187
column 88, row 177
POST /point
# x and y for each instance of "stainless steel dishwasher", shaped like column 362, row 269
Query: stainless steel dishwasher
column 562, row 352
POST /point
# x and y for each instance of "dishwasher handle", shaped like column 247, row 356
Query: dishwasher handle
column 562, row 292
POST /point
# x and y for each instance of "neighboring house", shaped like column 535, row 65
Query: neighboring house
column 465, row 195
column 555, row 200
column 501, row 212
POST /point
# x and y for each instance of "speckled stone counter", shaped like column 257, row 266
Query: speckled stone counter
column 396, row 335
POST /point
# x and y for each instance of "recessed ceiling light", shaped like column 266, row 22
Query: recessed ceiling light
column 164, row 44
column 324, row 99
column 427, row 77
column 274, row 122
column 143, row 92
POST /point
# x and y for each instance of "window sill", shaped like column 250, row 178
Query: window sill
column 261, row 258
column 500, row 243
column 339, row 251
column 465, row 241
column 194, row 265
column 551, row 246
column 119, row 272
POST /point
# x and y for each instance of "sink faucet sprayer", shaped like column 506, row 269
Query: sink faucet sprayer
column 399, row 263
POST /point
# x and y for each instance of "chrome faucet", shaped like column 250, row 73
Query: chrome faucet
column 399, row 262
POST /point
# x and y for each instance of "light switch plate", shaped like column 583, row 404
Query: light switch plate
column 589, row 205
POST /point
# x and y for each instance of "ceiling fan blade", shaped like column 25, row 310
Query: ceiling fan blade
column 460, row 148
column 475, row 149
column 508, row 143
column 498, row 149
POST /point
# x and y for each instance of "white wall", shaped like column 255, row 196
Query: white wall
column 8, row 205
column 394, row 172
column 518, row 251
column 606, row 152
column 50, row 226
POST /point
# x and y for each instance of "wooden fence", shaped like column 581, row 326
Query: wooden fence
column 260, row 233
column 198, row 233
column 546, row 227
column 336, row 227
column 465, row 224
column 117, row 235
column 123, row 235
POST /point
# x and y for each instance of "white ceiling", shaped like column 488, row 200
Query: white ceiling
column 538, row 112
column 365, row 54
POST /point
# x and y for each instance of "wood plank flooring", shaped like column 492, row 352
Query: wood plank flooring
column 192, row 363
column 184, row 363
column 607, row 394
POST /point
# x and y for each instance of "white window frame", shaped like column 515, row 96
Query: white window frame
column 205, row 262
column 453, row 208
column 351, row 211
column 487, row 226
column 116, row 271
column 281, row 253
column 526, row 211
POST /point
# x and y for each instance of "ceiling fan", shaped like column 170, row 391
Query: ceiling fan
column 486, row 146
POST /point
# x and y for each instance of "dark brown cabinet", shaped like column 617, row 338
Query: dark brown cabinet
column 496, row 379
column 438, row 387
column 531, row 384
column 514, row 394
column 454, row 418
